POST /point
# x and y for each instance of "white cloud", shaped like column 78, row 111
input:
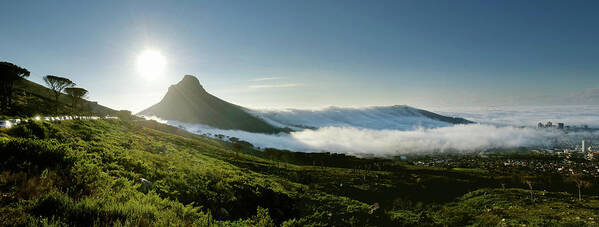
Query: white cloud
column 376, row 117
column 385, row 143
column 260, row 86
column 266, row 78
column 526, row 115
column 461, row 138
column 371, row 131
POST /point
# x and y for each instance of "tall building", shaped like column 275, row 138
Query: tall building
column 560, row 125
column 583, row 147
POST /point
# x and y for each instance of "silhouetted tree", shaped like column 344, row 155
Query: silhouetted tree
column 9, row 73
column 237, row 147
column 57, row 84
column 528, row 181
column 76, row 94
column 580, row 183
column 125, row 115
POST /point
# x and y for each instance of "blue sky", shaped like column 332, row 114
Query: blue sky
column 316, row 53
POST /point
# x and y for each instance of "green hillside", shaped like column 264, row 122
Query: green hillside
column 89, row 172
column 134, row 172
column 32, row 99
column 187, row 101
column 86, row 172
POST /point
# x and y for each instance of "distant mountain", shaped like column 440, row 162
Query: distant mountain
column 398, row 117
column 187, row 101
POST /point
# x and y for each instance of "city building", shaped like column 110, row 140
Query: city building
column 560, row 125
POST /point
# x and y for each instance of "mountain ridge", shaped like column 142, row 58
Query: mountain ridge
column 188, row 101
column 397, row 117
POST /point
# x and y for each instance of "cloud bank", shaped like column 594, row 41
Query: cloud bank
column 526, row 115
column 458, row 138
column 379, row 117
column 337, row 130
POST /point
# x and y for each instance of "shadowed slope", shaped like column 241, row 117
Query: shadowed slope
column 187, row 101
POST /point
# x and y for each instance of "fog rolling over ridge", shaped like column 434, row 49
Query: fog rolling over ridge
column 379, row 117
column 378, row 131
column 363, row 141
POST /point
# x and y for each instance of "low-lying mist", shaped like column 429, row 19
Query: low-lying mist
column 355, row 141
column 458, row 138
column 338, row 135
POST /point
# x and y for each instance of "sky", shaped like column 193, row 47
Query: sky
column 313, row 54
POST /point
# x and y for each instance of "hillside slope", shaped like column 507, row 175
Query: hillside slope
column 187, row 101
column 31, row 98
column 113, row 173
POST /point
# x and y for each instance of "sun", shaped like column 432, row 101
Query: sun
column 151, row 64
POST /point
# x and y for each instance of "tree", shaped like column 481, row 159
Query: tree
column 76, row 94
column 529, row 181
column 9, row 73
column 124, row 115
column 57, row 84
column 580, row 183
column 236, row 145
column 237, row 148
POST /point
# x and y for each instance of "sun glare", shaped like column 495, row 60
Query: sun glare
column 150, row 64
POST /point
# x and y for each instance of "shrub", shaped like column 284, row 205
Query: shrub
column 31, row 129
column 32, row 154
column 52, row 204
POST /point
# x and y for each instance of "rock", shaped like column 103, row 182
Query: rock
column 145, row 185
column 373, row 208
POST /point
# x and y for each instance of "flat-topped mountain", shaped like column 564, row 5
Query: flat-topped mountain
column 187, row 101
column 398, row 117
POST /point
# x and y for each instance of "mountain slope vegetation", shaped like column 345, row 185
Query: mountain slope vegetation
column 114, row 172
column 86, row 172
column 32, row 99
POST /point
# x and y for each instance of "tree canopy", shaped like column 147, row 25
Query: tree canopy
column 9, row 73
column 12, row 72
column 57, row 84
column 76, row 94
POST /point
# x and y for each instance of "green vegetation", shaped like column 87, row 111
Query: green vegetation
column 469, row 170
column 57, row 85
column 112, row 172
column 88, row 172
column 76, row 94
column 133, row 172
column 9, row 74
column 32, row 99
column 509, row 207
column 20, row 97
